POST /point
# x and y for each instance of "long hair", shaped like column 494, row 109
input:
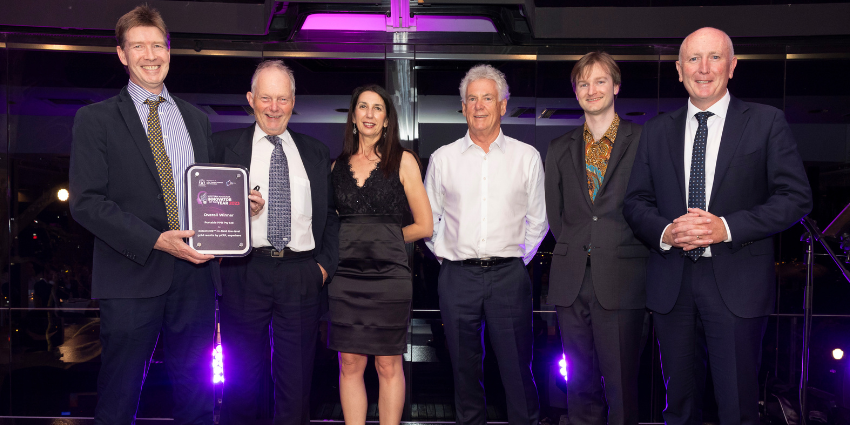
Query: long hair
column 388, row 147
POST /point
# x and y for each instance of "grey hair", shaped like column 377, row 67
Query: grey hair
column 482, row 72
column 277, row 64
column 729, row 45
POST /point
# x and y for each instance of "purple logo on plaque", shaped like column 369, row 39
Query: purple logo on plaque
column 202, row 198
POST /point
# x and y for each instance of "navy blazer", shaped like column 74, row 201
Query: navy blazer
column 760, row 188
column 115, row 193
column 235, row 147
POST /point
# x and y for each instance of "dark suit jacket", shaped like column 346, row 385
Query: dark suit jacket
column 760, row 188
column 618, row 258
column 116, row 195
column 235, row 146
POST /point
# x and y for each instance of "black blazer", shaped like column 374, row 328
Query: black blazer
column 115, row 193
column 760, row 188
column 235, row 146
column 618, row 258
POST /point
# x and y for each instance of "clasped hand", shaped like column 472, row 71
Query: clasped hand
column 696, row 228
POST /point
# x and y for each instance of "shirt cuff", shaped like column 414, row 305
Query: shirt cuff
column 664, row 246
column 728, row 232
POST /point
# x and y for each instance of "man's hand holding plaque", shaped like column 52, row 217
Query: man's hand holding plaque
column 257, row 201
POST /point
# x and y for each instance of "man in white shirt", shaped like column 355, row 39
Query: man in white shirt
column 711, row 184
column 486, row 193
column 295, row 240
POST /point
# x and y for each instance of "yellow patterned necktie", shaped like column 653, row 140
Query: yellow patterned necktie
column 163, row 164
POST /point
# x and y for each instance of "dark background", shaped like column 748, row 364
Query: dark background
column 49, row 347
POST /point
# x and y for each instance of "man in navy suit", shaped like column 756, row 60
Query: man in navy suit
column 128, row 163
column 274, row 293
column 711, row 183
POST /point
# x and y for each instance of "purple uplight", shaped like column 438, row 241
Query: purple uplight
column 345, row 22
column 218, row 365
column 563, row 364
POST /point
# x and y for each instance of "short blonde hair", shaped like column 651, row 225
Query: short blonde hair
column 585, row 65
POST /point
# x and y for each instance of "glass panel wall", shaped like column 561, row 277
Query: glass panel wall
column 442, row 122
column 49, row 327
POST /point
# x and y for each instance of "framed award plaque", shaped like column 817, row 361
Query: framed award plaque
column 219, row 209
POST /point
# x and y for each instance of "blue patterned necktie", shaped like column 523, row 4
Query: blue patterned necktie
column 279, row 225
column 696, row 184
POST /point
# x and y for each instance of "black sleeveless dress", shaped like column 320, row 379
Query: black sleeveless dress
column 369, row 297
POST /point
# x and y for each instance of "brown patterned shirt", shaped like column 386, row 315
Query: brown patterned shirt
column 597, row 153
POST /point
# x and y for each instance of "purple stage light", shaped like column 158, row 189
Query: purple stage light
column 345, row 22
column 218, row 365
column 563, row 364
column 380, row 23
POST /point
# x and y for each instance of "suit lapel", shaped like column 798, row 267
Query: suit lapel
column 733, row 129
column 621, row 145
column 134, row 125
column 200, row 144
column 317, row 175
column 308, row 156
column 676, row 142
column 240, row 153
column 577, row 153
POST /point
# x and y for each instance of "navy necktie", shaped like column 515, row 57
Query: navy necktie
column 279, row 224
column 696, row 183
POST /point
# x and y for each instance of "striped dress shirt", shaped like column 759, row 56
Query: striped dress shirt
column 175, row 136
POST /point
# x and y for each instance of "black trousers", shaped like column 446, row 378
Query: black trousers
column 701, row 327
column 603, row 358
column 269, row 299
column 184, row 317
column 498, row 297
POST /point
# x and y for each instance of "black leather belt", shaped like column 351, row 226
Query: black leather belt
column 268, row 251
column 487, row 262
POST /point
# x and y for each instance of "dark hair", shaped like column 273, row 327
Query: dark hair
column 585, row 65
column 141, row 16
column 388, row 147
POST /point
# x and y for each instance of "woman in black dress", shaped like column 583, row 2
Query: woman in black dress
column 375, row 181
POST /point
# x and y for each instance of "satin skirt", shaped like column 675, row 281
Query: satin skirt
column 369, row 297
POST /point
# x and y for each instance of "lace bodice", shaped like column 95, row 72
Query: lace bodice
column 378, row 195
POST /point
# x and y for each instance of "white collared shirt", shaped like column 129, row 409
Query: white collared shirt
column 715, row 125
column 486, row 204
column 301, row 206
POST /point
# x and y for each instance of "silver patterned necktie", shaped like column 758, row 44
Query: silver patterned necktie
column 696, row 183
column 279, row 224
